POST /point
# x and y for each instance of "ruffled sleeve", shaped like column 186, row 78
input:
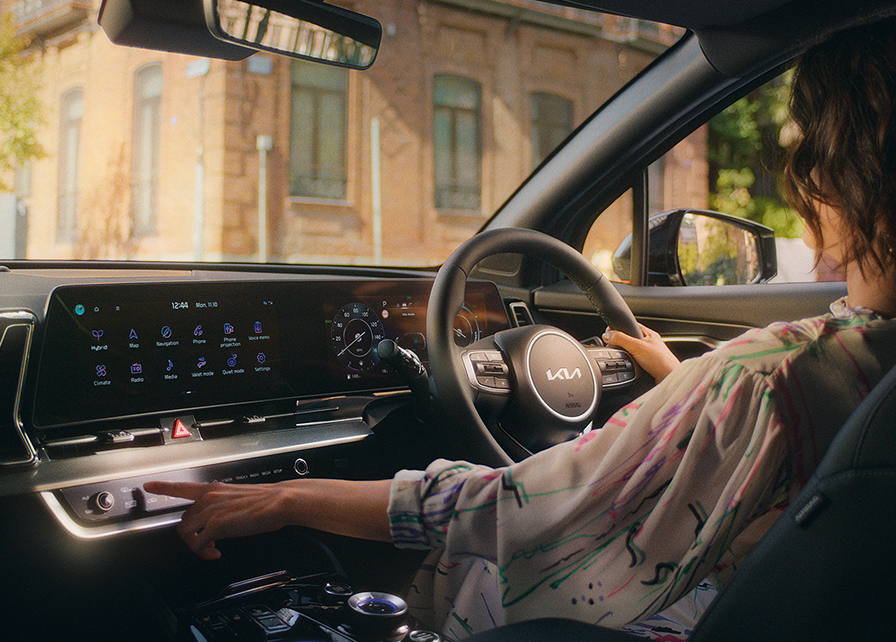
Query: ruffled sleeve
column 620, row 522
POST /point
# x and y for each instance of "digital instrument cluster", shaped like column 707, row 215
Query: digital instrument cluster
column 139, row 349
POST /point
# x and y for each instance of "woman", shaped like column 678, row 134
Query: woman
column 677, row 487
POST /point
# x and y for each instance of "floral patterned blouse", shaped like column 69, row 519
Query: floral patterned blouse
column 676, row 487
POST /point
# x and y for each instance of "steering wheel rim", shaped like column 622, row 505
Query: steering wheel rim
column 447, row 296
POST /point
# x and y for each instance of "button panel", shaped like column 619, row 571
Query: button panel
column 617, row 368
column 124, row 499
column 487, row 371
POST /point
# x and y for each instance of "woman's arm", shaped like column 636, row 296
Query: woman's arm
column 651, row 352
column 357, row 509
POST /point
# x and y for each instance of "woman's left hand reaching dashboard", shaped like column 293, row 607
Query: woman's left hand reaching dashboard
column 220, row 511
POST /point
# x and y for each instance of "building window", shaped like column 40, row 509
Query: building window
column 551, row 124
column 318, row 141
column 457, row 145
column 69, row 150
column 147, row 142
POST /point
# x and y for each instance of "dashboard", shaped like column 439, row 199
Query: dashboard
column 139, row 349
column 209, row 377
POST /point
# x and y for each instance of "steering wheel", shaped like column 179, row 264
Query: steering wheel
column 548, row 385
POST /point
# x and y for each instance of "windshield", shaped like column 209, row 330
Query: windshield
column 118, row 153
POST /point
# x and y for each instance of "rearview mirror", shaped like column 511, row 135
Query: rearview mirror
column 699, row 247
column 299, row 28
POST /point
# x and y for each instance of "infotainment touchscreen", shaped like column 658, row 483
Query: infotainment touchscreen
column 140, row 349
column 113, row 351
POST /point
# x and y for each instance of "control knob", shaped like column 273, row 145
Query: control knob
column 377, row 616
column 102, row 502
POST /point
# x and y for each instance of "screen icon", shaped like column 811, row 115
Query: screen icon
column 97, row 334
column 228, row 329
column 198, row 331
column 80, row 310
column 166, row 332
column 231, row 361
column 258, row 327
column 137, row 368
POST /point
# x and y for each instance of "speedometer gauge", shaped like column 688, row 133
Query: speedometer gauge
column 466, row 328
column 355, row 334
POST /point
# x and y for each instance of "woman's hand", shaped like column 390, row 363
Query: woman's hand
column 220, row 511
column 651, row 352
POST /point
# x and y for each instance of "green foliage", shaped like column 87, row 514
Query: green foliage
column 20, row 113
column 745, row 152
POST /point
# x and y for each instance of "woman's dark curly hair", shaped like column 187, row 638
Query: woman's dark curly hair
column 843, row 100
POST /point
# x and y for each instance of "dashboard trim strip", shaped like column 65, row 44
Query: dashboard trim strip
column 157, row 521
column 105, row 530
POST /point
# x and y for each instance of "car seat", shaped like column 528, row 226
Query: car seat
column 825, row 571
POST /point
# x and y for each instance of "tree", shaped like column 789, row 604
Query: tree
column 746, row 146
column 20, row 113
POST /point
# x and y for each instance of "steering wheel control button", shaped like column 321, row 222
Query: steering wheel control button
column 561, row 375
column 487, row 371
column 617, row 368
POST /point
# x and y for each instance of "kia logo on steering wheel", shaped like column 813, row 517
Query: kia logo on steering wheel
column 564, row 374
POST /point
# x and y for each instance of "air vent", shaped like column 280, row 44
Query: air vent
column 15, row 340
column 520, row 315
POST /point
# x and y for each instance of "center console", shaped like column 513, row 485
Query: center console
column 312, row 608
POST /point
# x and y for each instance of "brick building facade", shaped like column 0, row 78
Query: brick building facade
column 152, row 155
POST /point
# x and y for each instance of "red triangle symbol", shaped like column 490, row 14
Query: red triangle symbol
column 180, row 430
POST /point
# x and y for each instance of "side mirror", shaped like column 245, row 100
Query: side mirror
column 298, row 28
column 699, row 247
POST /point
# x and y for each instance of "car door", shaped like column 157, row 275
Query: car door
column 600, row 184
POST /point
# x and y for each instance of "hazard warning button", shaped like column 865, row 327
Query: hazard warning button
column 180, row 429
